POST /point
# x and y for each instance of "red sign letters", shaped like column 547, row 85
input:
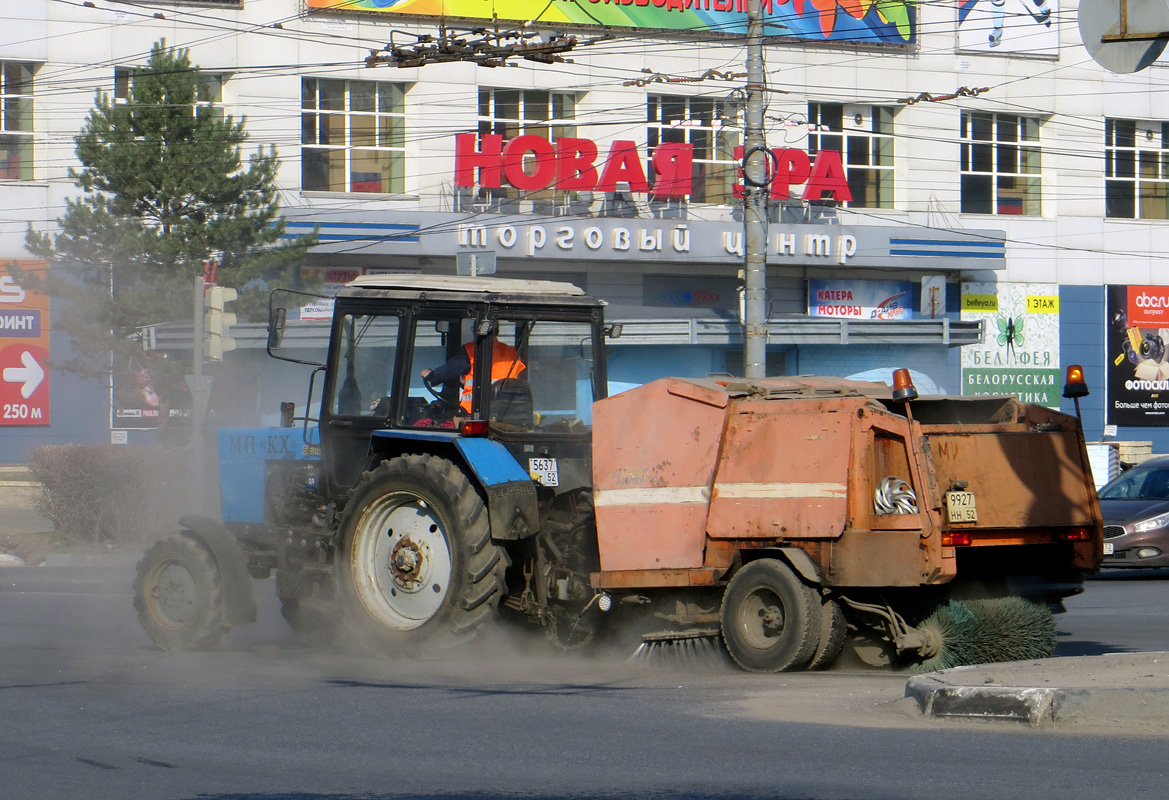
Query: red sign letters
column 532, row 163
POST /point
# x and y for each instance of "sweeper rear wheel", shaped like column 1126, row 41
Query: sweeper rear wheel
column 771, row 621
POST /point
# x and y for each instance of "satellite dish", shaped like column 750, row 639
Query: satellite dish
column 1099, row 18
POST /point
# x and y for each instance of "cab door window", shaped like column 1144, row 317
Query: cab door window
column 365, row 374
column 545, row 384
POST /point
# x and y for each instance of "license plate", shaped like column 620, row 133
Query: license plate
column 960, row 507
column 544, row 470
column 1108, row 548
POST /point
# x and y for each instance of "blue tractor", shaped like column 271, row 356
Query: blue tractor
column 446, row 438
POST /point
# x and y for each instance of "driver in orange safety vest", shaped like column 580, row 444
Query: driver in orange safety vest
column 505, row 363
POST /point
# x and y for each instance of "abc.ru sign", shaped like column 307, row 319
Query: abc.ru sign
column 1148, row 306
column 532, row 163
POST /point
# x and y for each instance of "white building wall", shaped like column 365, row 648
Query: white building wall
column 267, row 47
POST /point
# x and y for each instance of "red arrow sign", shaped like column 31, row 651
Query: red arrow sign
column 24, row 385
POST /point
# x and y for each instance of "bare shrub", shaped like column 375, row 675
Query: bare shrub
column 109, row 494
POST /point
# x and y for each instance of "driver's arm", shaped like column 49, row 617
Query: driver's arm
column 455, row 368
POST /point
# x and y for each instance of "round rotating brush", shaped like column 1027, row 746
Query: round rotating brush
column 955, row 630
column 1011, row 629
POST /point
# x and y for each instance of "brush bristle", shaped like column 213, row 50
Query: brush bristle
column 684, row 652
column 1012, row 629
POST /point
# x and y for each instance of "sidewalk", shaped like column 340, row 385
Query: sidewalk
column 21, row 541
column 1122, row 690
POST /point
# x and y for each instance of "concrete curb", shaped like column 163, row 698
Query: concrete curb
column 1020, row 704
column 956, row 694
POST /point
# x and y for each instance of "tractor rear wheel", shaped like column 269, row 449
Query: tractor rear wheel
column 178, row 593
column 770, row 619
column 417, row 562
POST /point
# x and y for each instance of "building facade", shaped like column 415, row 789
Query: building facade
column 961, row 191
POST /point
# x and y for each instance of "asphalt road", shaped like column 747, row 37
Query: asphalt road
column 89, row 709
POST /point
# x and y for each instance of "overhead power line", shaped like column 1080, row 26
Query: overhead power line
column 483, row 47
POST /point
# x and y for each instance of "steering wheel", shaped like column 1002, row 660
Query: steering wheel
column 446, row 401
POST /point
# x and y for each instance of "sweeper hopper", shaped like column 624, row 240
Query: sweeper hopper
column 781, row 513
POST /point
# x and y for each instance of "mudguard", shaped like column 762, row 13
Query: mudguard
column 232, row 563
column 512, row 506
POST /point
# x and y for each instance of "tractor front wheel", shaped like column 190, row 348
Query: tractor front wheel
column 417, row 562
column 178, row 593
column 771, row 621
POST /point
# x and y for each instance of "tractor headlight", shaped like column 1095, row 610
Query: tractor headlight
column 1151, row 524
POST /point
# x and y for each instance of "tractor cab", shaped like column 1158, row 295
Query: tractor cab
column 422, row 363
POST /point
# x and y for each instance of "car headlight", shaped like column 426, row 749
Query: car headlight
column 1151, row 524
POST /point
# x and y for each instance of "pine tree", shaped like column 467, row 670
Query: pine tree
column 164, row 191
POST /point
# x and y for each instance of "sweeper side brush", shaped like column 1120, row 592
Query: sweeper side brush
column 690, row 649
column 1012, row 629
column 988, row 631
column 953, row 629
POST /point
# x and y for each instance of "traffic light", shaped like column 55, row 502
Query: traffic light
column 217, row 322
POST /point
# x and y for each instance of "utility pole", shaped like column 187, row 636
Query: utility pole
column 200, row 386
column 756, row 166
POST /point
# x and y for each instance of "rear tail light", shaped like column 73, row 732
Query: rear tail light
column 474, row 427
column 955, row 539
column 1076, row 535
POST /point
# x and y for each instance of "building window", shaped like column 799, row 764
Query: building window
column 1000, row 164
column 352, row 136
column 516, row 112
column 711, row 126
column 863, row 135
column 1136, row 169
column 208, row 94
column 15, row 120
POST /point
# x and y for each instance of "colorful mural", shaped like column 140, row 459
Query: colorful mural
column 856, row 21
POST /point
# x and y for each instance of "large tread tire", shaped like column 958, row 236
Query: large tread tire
column 178, row 594
column 833, row 628
column 418, row 568
column 314, row 626
column 770, row 618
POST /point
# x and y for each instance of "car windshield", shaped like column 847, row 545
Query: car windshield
column 1139, row 483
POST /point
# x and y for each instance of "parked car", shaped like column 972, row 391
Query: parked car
column 1135, row 507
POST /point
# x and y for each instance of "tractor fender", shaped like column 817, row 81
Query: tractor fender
column 232, row 563
column 796, row 558
column 512, row 506
column 513, row 509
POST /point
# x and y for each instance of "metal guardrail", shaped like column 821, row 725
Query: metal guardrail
column 796, row 330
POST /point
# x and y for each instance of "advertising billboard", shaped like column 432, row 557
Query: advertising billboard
column 1019, row 354
column 1009, row 26
column 860, row 299
column 24, row 349
column 146, row 395
column 1138, row 371
column 887, row 22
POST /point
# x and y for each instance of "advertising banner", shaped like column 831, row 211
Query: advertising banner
column 24, row 349
column 1009, row 26
column 887, row 22
column 860, row 299
column 1019, row 354
column 1138, row 371
column 143, row 397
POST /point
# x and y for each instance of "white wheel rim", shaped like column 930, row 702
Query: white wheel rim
column 401, row 561
column 172, row 595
